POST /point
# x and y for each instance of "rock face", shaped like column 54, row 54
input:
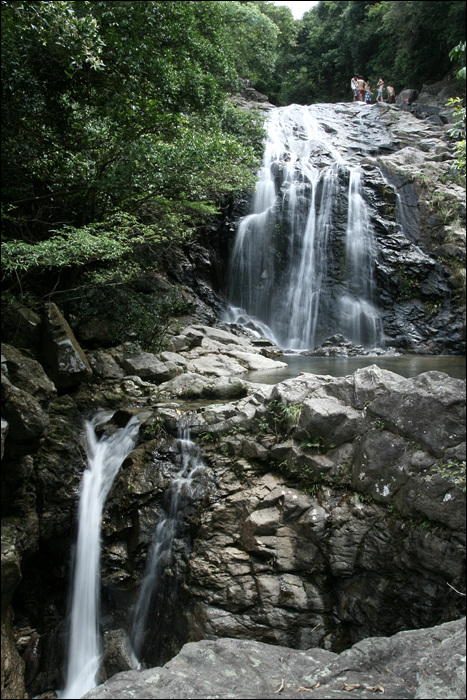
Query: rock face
column 66, row 361
column 424, row 258
column 229, row 668
column 416, row 213
column 366, row 452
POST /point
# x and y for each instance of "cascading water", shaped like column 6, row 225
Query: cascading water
column 186, row 487
column 302, row 264
column 360, row 318
column 105, row 457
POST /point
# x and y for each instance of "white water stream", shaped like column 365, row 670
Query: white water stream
column 105, row 457
column 184, row 488
column 287, row 276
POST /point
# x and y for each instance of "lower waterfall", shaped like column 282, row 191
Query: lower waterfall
column 184, row 488
column 302, row 265
column 105, row 457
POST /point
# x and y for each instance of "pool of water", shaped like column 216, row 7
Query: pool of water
column 405, row 365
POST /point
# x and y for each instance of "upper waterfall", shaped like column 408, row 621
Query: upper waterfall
column 302, row 264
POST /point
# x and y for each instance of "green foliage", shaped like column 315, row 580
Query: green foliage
column 457, row 54
column 379, row 424
column 253, row 39
column 458, row 132
column 280, row 418
column 365, row 498
column 126, row 315
column 207, row 437
column 116, row 131
column 117, row 136
column 408, row 287
column 317, row 442
column 407, row 43
column 303, row 475
column 453, row 470
column 154, row 429
column 66, row 248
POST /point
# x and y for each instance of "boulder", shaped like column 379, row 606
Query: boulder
column 254, row 361
column 21, row 326
column 217, row 365
column 425, row 663
column 118, row 655
column 148, row 366
column 64, row 359
column 330, row 421
column 428, row 408
column 104, row 365
column 407, row 96
column 28, row 374
column 27, row 420
column 195, row 386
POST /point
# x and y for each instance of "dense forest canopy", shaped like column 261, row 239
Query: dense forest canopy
column 406, row 42
column 117, row 130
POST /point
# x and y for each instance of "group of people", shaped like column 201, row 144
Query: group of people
column 362, row 91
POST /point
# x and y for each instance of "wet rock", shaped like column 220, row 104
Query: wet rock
column 118, row 655
column 59, row 464
column 31, row 657
column 64, row 359
column 195, row 386
column 338, row 346
column 11, row 568
column 4, row 435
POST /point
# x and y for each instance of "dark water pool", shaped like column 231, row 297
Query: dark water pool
column 406, row 365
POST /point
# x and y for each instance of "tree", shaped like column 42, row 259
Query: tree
column 406, row 42
column 457, row 54
column 252, row 40
column 114, row 123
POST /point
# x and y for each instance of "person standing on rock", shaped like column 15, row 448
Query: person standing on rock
column 368, row 93
column 361, row 88
column 353, row 87
column 380, row 86
column 391, row 94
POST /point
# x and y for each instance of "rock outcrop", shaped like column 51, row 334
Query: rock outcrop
column 331, row 508
column 64, row 358
column 425, row 663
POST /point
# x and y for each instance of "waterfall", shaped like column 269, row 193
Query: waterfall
column 183, row 490
column 360, row 318
column 105, row 456
column 302, row 264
